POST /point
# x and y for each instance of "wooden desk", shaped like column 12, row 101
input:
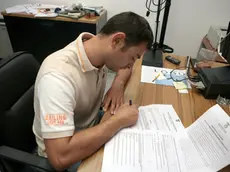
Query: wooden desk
column 43, row 36
column 83, row 19
column 189, row 107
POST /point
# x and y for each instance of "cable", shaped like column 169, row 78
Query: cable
column 163, row 8
column 164, row 48
column 156, row 3
column 191, row 78
column 148, row 6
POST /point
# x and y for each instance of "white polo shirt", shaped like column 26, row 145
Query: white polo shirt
column 68, row 93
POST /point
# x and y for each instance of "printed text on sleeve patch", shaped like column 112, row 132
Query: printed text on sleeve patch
column 55, row 119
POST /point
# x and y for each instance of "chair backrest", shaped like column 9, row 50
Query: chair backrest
column 17, row 77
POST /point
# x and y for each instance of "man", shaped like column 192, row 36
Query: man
column 70, row 86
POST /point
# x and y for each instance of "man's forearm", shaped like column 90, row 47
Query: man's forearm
column 82, row 144
column 93, row 138
column 123, row 76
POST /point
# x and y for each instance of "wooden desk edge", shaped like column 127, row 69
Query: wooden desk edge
column 58, row 18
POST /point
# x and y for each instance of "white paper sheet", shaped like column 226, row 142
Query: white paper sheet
column 202, row 147
column 192, row 159
column 210, row 135
column 30, row 8
column 148, row 75
column 158, row 117
column 143, row 152
column 19, row 8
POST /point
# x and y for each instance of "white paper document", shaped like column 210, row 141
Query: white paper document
column 202, row 147
column 30, row 8
column 18, row 8
column 210, row 135
column 158, row 117
column 163, row 76
column 143, row 152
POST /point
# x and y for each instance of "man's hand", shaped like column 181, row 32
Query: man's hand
column 114, row 97
column 127, row 115
column 66, row 151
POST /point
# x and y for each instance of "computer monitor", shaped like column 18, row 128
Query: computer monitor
column 226, row 48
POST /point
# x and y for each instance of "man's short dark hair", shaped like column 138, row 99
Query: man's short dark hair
column 136, row 28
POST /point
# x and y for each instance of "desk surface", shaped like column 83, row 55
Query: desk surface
column 66, row 19
column 189, row 107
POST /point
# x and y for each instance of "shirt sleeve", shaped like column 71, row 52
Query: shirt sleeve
column 56, row 96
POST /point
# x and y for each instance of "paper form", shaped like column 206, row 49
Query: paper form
column 210, row 135
column 158, row 117
column 192, row 159
column 143, row 152
column 146, row 147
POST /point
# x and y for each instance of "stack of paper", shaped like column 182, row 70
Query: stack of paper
column 159, row 143
column 33, row 9
column 18, row 8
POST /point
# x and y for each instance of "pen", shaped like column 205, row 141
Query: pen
column 156, row 77
column 130, row 102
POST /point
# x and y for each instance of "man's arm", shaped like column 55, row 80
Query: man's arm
column 115, row 95
column 62, row 146
column 123, row 76
column 64, row 152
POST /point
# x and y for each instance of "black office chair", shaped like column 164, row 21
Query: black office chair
column 17, row 141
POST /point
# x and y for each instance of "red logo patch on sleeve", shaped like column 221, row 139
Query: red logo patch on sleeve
column 55, row 119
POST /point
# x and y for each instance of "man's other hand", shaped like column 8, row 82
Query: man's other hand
column 114, row 97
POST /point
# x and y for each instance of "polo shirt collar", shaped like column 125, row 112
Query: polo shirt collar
column 83, row 58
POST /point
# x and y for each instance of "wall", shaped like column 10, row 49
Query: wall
column 189, row 20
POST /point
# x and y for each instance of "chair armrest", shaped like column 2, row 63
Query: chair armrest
column 19, row 156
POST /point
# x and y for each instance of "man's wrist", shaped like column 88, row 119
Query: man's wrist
column 119, row 82
column 115, row 122
column 123, row 76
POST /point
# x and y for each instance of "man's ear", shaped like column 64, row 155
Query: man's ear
column 118, row 40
